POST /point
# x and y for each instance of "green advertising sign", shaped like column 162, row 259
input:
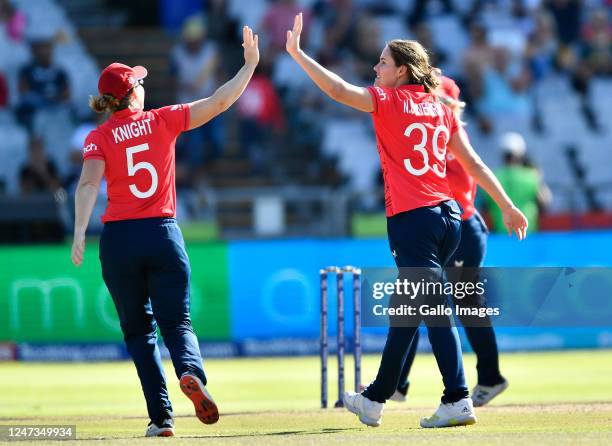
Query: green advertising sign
column 44, row 298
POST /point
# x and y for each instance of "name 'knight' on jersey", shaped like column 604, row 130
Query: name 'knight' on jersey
column 412, row 129
column 138, row 149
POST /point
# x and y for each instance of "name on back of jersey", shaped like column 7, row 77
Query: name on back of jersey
column 423, row 108
column 131, row 130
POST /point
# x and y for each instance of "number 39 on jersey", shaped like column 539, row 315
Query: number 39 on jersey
column 438, row 148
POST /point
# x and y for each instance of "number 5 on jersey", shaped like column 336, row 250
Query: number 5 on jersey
column 133, row 168
column 438, row 152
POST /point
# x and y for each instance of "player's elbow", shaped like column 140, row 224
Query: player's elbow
column 89, row 185
column 337, row 91
column 221, row 102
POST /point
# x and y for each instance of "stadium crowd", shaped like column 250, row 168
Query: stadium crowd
column 507, row 56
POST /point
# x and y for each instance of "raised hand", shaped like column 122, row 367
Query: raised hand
column 250, row 44
column 514, row 220
column 293, row 36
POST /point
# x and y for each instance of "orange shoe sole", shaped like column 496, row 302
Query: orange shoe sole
column 205, row 408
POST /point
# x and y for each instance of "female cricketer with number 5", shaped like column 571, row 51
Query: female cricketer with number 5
column 142, row 252
column 413, row 130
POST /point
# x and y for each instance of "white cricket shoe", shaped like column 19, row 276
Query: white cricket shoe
column 165, row 429
column 398, row 396
column 481, row 395
column 460, row 413
column 369, row 412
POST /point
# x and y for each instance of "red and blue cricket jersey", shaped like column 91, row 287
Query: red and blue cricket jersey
column 138, row 148
column 412, row 130
column 462, row 184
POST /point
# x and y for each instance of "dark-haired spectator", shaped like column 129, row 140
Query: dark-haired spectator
column 223, row 29
column 261, row 115
column 13, row 21
column 194, row 66
column 420, row 10
column 42, row 83
column 437, row 56
column 476, row 58
column 39, row 174
column 366, row 46
column 597, row 43
column 542, row 46
column 4, row 93
column 567, row 15
column 275, row 22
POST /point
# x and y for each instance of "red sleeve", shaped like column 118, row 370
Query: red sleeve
column 176, row 117
column 453, row 123
column 382, row 99
column 94, row 146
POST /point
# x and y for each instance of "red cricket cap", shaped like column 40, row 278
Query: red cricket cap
column 449, row 88
column 117, row 79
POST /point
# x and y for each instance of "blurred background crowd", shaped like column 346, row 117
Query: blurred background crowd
column 285, row 160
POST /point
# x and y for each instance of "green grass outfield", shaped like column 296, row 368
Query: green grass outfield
column 556, row 398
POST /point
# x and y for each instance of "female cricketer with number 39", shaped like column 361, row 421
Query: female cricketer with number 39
column 465, row 264
column 142, row 252
column 413, row 131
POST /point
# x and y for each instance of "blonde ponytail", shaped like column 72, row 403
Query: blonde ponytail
column 108, row 103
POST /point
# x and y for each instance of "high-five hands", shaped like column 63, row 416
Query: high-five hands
column 293, row 36
column 250, row 44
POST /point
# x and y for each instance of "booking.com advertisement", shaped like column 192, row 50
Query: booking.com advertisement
column 242, row 305
column 537, row 305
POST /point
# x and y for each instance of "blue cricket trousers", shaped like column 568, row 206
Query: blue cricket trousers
column 424, row 237
column 470, row 255
column 146, row 270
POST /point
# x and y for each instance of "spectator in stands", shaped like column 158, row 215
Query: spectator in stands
column 224, row 31
column 505, row 85
column 365, row 46
column 39, row 174
column 12, row 20
column 419, row 11
column 42, row 83
column 261, row 115
column 274, row 24
column 580, row 75
column 437, row 56
column 4, row 93
column 521, row 181
column 477, row 57
column 567, row 15
column 338, row 18
column 597, row 43
column 194, row 66
column 77, row 142
column 542, row 46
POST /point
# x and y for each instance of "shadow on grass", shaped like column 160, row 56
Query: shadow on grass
column 254, row 434
column 266, row 434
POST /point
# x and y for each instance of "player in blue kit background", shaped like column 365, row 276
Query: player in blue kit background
column 144, row 263
column 413, row 129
